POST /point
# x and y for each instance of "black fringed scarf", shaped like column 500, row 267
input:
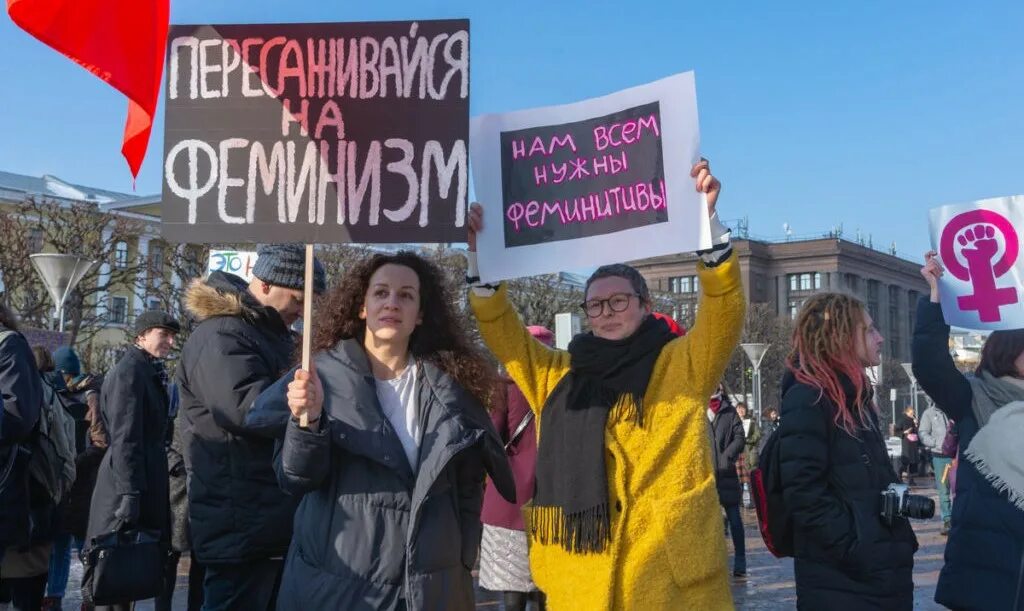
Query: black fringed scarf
column 570, row 505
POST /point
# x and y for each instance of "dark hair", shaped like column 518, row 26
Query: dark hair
column 621, row 270
column 7, row 318
column 1000, row 351
column 44, row 360
column 742, row 404
column 442, row 337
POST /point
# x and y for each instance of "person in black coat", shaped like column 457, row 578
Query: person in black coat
column 834, row 466
column 387, row 443
column 984, row 556
column 727, row 443
column 21, row 391
column 240, row 519
column 910, row 445
column 131, row 486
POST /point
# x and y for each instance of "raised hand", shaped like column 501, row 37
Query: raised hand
column 706, row 183
column 931, row 272
column 475, row 224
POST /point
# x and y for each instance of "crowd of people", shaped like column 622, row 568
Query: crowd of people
column 603, row 476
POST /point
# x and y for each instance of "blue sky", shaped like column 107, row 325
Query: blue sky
column 813, row 114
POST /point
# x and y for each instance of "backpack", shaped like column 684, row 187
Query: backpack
column 773, row 518
column 52, row 465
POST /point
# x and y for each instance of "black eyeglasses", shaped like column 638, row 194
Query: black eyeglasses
column 617, row 303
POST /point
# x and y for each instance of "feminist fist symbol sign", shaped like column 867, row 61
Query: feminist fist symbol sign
column 973, row 233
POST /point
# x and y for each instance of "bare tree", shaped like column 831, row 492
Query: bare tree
column 762, row 325
column 78, row 228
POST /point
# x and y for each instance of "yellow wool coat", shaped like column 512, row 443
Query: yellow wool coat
column 667, row 549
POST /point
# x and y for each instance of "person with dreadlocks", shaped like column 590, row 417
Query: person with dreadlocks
column 625, row 514
column 834, row 465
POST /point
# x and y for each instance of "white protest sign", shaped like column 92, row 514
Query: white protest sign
column 237, row 262
column 979, row 245
column 599, row 181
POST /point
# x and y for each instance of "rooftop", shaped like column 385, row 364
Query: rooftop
column 19, row 186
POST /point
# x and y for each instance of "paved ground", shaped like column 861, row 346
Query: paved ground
column 769, row 584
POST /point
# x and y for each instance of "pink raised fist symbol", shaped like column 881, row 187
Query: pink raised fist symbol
column 974, row 235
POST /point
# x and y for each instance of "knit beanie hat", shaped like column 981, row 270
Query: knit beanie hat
column 284, row 265
column 66, row 361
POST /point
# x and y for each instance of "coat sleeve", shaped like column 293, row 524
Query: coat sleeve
column 933, row 365
column 931, row 436
column 737, row 443
column 123, row 415
column 754, row 439
column 303, row 459
column 470, row 482
column 702, row 354
column 21, row 387
column 818, row 514
column 228, row 375
column 534, row 367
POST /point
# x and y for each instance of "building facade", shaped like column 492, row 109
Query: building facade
column 784, row 274
column 113, row 305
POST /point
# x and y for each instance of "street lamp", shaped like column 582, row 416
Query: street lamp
column 755, row 352
column 61, row 274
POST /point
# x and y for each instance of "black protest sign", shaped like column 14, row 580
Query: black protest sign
column 582, row 179
column 317, row 133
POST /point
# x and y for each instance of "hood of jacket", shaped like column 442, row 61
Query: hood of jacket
column 223, row 294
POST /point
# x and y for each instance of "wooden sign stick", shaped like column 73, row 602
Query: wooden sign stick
column 307, row 321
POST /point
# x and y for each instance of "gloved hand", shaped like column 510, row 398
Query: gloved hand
column 128, row 511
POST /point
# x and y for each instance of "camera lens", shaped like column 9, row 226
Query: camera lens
column 918, row 507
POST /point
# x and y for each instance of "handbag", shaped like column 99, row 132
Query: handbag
column 122, row 566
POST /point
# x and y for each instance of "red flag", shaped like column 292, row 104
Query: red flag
column 120, row 41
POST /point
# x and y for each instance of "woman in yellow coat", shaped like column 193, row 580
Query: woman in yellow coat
column 626, row 514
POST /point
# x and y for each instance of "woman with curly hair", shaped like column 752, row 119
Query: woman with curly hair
column 834, row 465
column 391, row 462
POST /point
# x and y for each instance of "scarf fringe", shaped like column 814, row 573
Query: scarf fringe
column 630, row 407
column 582, row 532
column 1000, row 484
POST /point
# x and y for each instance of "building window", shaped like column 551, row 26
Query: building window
column 154, row 304
column 156, row 258
column 119, row 310
column 804, row 282
column 121, row 255
column 684, row 284
column 35, row 240
column 794, row 307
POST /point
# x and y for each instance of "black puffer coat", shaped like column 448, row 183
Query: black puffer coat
column 133, row 407
column 370, row 533
column 21, row 390
column 846, row 556
column 727, row 442
column 237, row 512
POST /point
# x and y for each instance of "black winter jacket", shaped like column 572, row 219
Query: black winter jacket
column 985, row 551
column 21, row 389
column 846, row 557
column 237, row 512
column 133, row 408
column 369, row 532
column 728, row 442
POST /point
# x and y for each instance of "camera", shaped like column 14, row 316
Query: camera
column 897, row 502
